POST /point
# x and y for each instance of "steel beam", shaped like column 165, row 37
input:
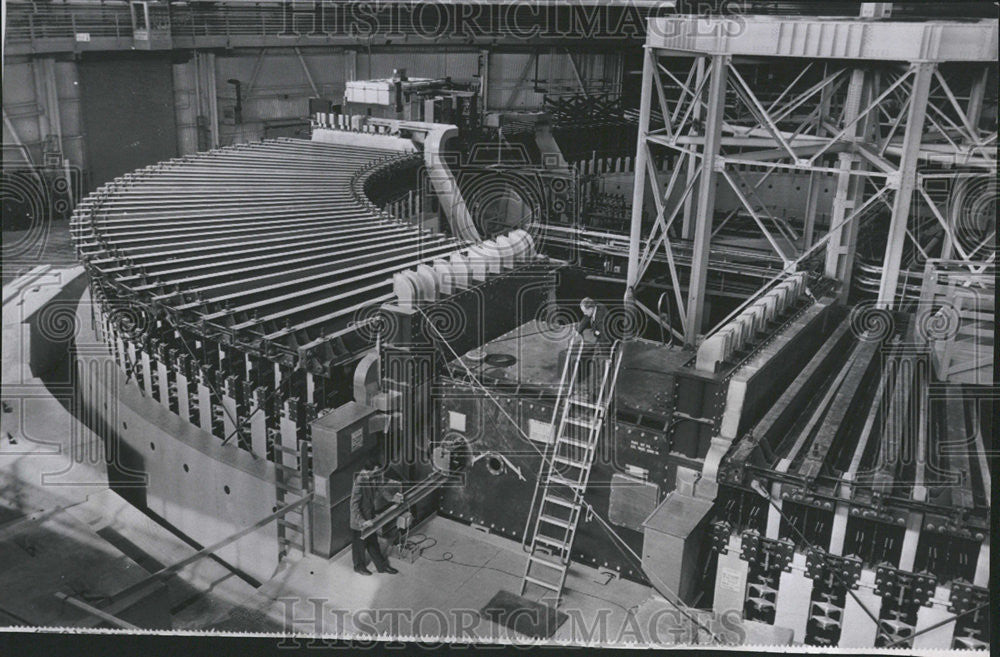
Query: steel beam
column 825, row 38
column 923, row 74
column 839, row 262
column 305, row 69
column 705, row 205
column 639, row 185
column 977, row 94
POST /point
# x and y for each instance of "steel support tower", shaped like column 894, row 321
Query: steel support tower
column 869, row 107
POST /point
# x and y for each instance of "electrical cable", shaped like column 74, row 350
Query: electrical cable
column 649, row 577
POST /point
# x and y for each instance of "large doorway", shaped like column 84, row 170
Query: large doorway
column 128, row 113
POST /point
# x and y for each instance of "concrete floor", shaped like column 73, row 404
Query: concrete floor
column 441, row 592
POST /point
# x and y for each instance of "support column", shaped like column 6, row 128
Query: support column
column 812, row 206
column 705, row 208
column 350, row 65
column 52, row 99
column 41, row 100
column 687, row 223
column 923, row 74
column 639, row 185
column 849, row 192
column 186, row 108
column 212, row 96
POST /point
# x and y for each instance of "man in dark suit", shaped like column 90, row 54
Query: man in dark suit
column 369, row 484
column 592, row 328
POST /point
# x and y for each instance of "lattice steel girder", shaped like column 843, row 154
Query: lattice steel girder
column 825, row 38
column 892, row 116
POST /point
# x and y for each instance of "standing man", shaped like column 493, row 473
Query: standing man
column 369, row 484
column 593, row 332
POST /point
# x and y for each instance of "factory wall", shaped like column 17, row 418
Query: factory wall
column 118, row 113
column 41, row 96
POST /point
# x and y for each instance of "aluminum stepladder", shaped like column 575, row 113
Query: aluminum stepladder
column 581, row 409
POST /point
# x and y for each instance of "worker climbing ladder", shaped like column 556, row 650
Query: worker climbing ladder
column 581, row 409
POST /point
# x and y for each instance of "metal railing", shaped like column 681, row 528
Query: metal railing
column 29, row 20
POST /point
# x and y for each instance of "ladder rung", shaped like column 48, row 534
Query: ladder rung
column 585, row 404
column 542, row 583
column 554, row 542
column 572, row 462
column 580, row 422
column 552, row 520
column 286, row 486
column 575, row 485
column 582, row 444
column 287, row 450
column 561, row 501
column 555, row 565
column 290, row 525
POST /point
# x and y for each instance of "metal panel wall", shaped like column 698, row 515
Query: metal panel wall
column 26, row 103
column 128, row 113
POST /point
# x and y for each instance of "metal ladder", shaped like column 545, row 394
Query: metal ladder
column 565, row 470
column 291, row 485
